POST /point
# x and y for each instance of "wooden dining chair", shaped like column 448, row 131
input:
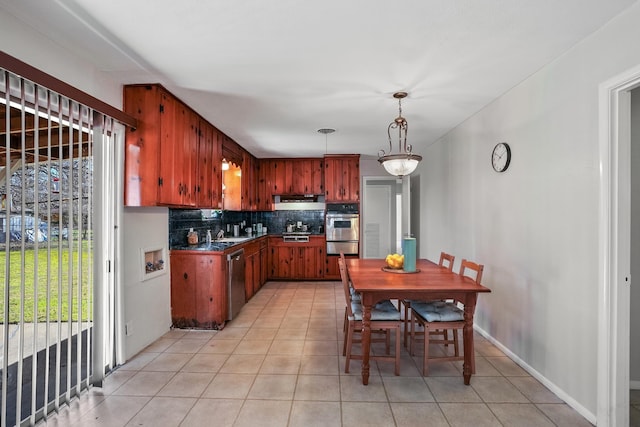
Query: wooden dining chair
column 442, row 315
column 446, row 261
column 385, row 318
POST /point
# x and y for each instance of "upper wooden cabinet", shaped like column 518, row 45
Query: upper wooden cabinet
column 168, row 157
column 249, row 182
column 296, row 176
column 209, row 184
column 342, row 178
column 264, row 196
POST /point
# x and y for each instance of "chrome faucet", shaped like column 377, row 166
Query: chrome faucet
column 220, row 235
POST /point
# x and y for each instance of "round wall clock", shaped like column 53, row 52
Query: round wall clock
column 501, row 157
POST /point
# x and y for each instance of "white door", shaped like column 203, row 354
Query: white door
column 379, row 217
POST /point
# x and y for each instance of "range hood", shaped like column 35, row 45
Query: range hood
column 297, row 198
column 299, row 202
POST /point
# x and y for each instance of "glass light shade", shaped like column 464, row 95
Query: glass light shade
column 400, row 164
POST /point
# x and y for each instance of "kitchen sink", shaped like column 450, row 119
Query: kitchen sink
column 232, row 239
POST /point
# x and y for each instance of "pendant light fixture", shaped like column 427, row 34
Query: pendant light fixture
column 325, row 132
column 405, row 161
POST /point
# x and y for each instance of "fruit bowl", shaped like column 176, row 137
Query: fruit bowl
column 394, row 261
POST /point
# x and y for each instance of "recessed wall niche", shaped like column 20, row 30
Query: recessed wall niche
column 153, row 262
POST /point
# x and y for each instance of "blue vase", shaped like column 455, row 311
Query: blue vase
column 409, row 252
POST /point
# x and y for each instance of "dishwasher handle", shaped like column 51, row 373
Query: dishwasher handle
column 238, row 253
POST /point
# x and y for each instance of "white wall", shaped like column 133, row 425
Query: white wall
column 534, row 227
column 146, row 304
column 634, row 357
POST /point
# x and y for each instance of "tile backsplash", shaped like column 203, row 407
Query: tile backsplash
column 181, row 220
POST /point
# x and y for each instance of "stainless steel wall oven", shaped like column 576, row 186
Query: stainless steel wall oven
column 342, row 229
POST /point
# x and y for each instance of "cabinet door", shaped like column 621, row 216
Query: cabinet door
column 333, row 180
column 188, row 171
column 342, row 179
column 332, row 271
column 257, row 272
column 216, row 170
column 316, row 180
column 206, row 301
column 309, row 263
column 248, row 276
column 352, row 180
column 205, row 166
column 278, row 171
column 142, row 159
column 249, row 182
column 264, row 188
column 282, row 262
column 183, row 290
column 264, row 265
column 171, row 131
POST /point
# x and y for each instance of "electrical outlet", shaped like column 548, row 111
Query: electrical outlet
column 128, row 329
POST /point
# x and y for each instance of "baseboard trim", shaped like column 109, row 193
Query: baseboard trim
column 537, row 375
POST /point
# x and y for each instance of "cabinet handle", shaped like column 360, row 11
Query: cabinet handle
column 186, row 276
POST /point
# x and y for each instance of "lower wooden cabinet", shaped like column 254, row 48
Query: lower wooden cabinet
column 331, row 271
column 297, row 260
column 198, row 289
column 255, row 258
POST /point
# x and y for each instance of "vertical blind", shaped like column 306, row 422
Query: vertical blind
column 47, row 237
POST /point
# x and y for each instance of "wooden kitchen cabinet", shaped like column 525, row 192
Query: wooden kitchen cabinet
column 167, row 156
column 254, row 252
column 180, row 188
column 264, row 261
column 296, row 176
column 209, row 183
column 342, row 178
column 249, row 182
column 332, row 271
column 297, row 260
column 307, row 176
column 264, row 195
column 198, row 291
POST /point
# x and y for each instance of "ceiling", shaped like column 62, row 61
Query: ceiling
column 270, row 74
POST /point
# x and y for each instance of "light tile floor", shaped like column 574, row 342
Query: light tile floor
column 280, row 363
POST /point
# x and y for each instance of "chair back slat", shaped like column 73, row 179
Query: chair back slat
column 447, row 259
column 470, row 265
column 345, row 284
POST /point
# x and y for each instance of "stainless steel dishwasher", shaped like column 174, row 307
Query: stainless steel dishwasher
column 235, row 268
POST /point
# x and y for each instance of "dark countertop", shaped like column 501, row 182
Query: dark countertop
column 222, row 245
column 217, row 245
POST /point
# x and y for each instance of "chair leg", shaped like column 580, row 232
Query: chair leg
column 412, row 336
column 425, row 357
column 349, row 345
column 456, row 349
column 407, row 310
column 397, row 371
column 346, row 324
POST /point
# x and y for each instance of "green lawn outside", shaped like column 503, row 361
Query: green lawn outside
column 56, row 295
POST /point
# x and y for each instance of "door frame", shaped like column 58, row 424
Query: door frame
column 363, row 210
column 614, row 248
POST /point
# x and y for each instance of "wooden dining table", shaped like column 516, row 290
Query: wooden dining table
column 429, row 282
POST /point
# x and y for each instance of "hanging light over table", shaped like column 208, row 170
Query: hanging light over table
column 404, row 162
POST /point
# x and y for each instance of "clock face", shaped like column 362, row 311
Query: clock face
column 501, row 157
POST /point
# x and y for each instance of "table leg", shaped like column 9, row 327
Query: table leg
column 468, row 366
column 366, row 342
